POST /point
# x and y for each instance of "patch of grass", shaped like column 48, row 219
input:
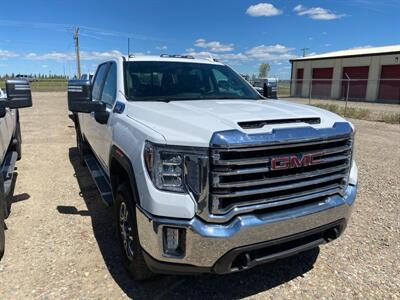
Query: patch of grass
column 361, row 113
column 392, row 118
column 45, row 85
column 358, row 113
column 283, row 88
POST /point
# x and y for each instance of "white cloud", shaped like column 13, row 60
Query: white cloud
column 317, row 13
column 44, row 66
column 234, row 57
column 162, row 47
column 57, row 56
column 274, row 54
column 270, row 52
column 263, row 10
column 213, row 46
column 7, row 54
column 362, row 47
column 95, row 55
column 63, row 56
column 267, row 50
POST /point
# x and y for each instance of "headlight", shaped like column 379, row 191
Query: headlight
column 176, row 169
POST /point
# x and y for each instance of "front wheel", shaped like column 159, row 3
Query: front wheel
column 128, row 235
column 17, row 141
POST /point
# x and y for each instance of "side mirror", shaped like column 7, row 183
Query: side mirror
column 18, row 94
column 80, row 98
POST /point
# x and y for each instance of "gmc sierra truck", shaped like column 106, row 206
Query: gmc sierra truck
column 18, row 95
column 205, row 174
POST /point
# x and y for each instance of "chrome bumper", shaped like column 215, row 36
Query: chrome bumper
column 206, row 243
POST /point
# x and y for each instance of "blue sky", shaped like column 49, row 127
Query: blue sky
column 36, row 36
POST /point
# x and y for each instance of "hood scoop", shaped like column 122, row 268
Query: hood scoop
column 262, row 123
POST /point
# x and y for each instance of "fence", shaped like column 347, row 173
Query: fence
column 382, row 90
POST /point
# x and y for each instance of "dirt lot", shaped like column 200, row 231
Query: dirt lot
column 61, row 241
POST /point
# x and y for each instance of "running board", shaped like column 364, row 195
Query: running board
column 7, row 171
column 101, row 180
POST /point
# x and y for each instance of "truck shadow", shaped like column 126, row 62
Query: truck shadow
column 232, row 286
column 14, row 198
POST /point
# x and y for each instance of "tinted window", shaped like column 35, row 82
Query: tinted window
column 184, row 81
column 98, row 82
column 110, row 86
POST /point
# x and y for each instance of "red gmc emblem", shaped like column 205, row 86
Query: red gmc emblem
column 294, row 161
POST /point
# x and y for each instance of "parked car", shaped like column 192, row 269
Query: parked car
column 206, row 175
column 18, row 96
column 28, row 78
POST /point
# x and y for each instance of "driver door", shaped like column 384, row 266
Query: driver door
column 104, row 90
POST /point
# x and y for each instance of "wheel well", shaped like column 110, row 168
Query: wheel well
column 121, row 171
column 118, row 175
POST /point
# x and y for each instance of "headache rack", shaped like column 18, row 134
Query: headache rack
column 243, row 180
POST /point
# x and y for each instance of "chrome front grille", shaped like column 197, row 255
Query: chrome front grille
column 242, row 177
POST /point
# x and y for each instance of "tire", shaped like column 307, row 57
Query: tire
column 2, row 224
column 128, row 237
column 83, row 147
column 9, row 198
column 18, row 138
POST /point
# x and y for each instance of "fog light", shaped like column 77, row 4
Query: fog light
column 173, row 241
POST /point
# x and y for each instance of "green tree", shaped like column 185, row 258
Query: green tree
column 263, row 70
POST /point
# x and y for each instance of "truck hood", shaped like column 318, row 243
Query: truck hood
column 192, row 123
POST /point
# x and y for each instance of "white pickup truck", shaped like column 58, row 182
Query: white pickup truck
column 18, row 95
column 205, row 174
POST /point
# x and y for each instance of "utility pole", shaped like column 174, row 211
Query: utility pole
column 78, row 58
column 304, row 51
column 129, row 47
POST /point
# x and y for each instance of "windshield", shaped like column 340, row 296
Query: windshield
column 169, row 81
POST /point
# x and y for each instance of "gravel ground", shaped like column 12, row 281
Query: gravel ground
column 61, row 241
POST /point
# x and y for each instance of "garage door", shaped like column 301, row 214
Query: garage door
column 389, row 86
column 358, row 82
column 299, row 82
column 322, row 82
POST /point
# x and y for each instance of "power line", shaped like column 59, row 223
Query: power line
column 78, row 58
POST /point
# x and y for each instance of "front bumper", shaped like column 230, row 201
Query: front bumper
column 207, row 246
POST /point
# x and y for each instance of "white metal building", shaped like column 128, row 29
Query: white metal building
column 371, row 74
